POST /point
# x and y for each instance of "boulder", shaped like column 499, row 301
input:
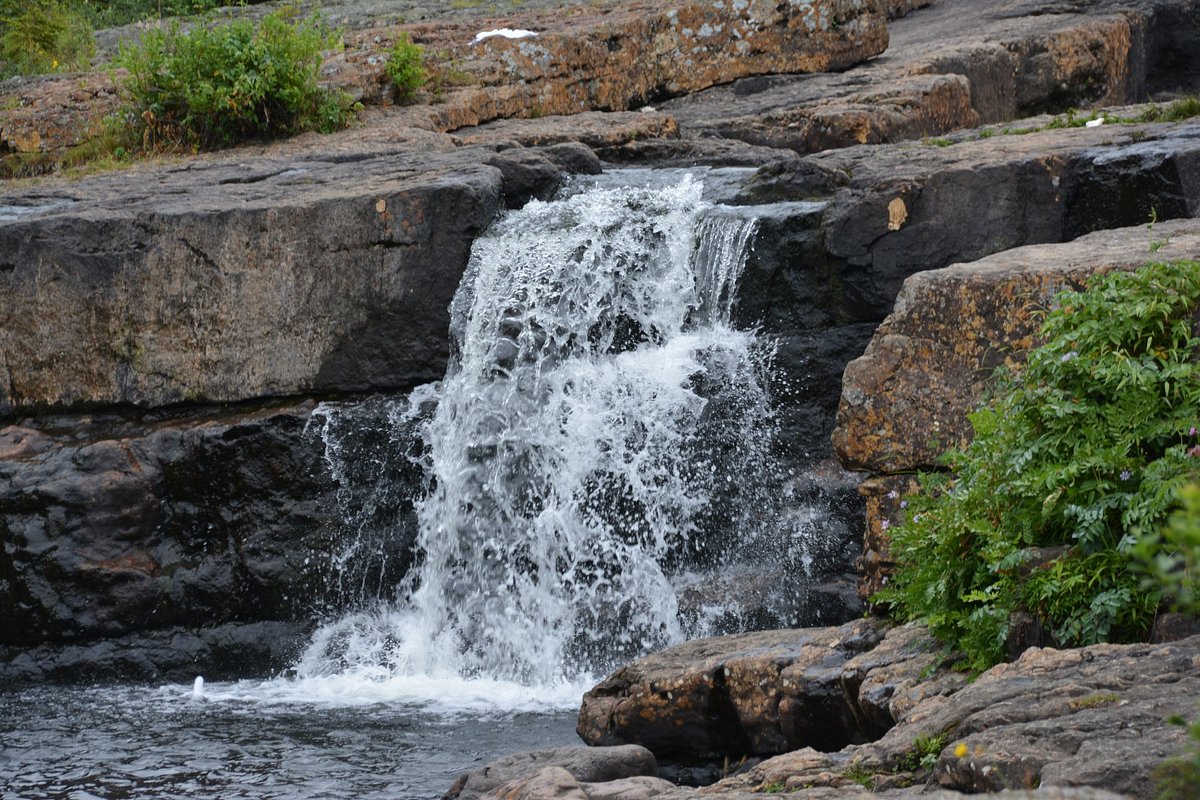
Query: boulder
column 556, row 783
column 762, row 693
column 559, row 767
column 220, row 282
column 906, row 400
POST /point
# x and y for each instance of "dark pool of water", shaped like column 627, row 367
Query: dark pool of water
column 131, row 741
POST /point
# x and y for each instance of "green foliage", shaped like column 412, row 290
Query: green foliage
column 857, row 773
column 1095, row 700
column 1177, row 111
column 405, row 69
column 38, row 36
column 1172, row 556
column 1074, row 462
column 923, row 754
column 219, row 85
column 110, row 13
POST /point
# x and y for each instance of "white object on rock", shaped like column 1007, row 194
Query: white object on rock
column 507, row 33
column 1094, row 123
column 648, row 110
column 198, row 687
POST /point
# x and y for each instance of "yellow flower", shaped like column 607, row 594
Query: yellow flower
column 54, row 64
column 961, row 751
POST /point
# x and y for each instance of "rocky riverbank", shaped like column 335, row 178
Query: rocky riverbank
column 168, row 330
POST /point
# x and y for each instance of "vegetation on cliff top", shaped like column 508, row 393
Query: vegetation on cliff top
column 218, row 85
column 1058, row 505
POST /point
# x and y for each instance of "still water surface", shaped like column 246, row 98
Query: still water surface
column 276, row 739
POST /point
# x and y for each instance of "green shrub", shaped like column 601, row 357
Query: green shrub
column 1172, row 557
column 405, row 69
column 219, row 85
column 1074, row 462
column 38, row 36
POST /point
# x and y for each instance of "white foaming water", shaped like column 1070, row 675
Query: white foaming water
column 600, row 429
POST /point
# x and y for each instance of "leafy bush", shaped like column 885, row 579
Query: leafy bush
column 39, row 36
column 1173, row 556
column 1074, row 462
column 405, row 69
column 219, row 85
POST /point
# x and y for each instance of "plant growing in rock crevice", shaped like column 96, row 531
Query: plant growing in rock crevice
column 1074, row 462
column 405, row 69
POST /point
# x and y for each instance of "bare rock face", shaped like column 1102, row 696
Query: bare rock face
column 762, row 693
column 110, row 530
column 202, row 289
column 1093, row 717
column 906, row 400
column 957, row 64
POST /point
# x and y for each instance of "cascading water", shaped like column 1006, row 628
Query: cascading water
column 601, row 429
column 592, row 478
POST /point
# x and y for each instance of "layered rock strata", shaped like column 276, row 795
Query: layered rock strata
column 608, row 58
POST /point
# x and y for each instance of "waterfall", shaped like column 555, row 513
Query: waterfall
column 601, row 429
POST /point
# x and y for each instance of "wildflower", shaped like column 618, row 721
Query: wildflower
column 893, row 494
column 54, row 64
column 1068, row 356
column 1194, row 452
column 904, row 504
column 1126, row 474
column 883, row 526
column 961, row 750
column 1192, row 432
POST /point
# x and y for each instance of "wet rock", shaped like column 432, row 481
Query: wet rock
column 746, row 694
column 218, row 651
column 561, row 768
column 525, row 175
column 115, row 527
column 905, row 401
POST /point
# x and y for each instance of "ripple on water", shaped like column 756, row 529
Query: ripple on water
column 254, row 740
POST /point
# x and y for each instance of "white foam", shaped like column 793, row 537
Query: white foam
column 597, row 414
column 445, row 695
